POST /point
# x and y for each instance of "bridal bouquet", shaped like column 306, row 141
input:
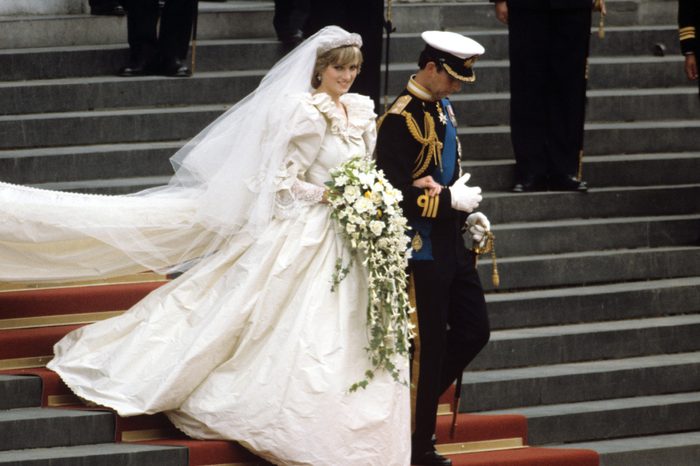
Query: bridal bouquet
column 366, row 209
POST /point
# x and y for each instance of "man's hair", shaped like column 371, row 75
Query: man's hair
column 428, row 55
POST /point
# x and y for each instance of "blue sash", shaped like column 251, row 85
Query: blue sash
column 442, row 175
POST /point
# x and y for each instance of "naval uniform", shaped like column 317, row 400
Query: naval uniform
column 417, row 137
column 688, row 28
column 548, row 50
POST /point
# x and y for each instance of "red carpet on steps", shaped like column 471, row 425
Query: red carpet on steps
column 31, row 342
column 475, row 427
column 79, row 299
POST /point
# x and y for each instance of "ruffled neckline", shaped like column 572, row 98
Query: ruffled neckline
column 360, row 113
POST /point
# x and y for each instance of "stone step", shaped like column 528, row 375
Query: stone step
column 113, row 92
column 596, row 203
column 105, row 126
column 19, row 391
column 234, row 19
column 93, row 162
column 254, row 19
column 56, row 61
column 46, row 427
column 99, row 161
column 597, row 380
column 681, row 449
column 593, row 266
column 605, row 72
column 594, row 303
column 564, row 236
column 176, row 123
column 600, row 170
column 105, row 454
column 493, row 142
column 649, row 104
column 477, row 108
column 636, row 40
column 612, row 418
column 596, row 341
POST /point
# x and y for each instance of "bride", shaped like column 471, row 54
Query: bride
column 249, row 343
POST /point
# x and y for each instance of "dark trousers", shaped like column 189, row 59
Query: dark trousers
column 445, row 296
column 548, row 55
column 146, row 41
column 290, row 17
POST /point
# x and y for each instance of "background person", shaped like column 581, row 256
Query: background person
column 548, row 50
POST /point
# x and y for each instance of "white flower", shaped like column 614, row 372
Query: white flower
column 376, row 227
column 341, row 180
column 366, row 179
column 350, row 228
column 363, row 205
column 351, row 193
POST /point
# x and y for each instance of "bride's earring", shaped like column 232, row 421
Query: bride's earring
column 318, row 78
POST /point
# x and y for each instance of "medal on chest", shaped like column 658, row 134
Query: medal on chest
column 451, row 114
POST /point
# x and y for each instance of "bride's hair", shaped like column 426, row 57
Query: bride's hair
column 346, row 55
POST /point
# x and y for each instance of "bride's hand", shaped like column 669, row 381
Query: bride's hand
column 427, row 182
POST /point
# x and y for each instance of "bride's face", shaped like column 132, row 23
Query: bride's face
column 337, row 79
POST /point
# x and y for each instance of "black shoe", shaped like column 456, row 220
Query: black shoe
column 529, row 183
column 175, row 68
column 567, row 183
column 136, row 69
column 429, row 458
column 108, row 10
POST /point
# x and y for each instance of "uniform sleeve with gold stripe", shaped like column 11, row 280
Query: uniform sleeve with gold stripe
column 688, row 24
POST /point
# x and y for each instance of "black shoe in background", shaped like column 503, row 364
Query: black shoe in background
column 567, row 183
column 113, row 9
column 529, row 183
column 136, row 68
column 175, row 68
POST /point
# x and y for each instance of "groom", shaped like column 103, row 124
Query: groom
column 418, row 149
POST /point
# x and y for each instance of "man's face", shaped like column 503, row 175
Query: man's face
column 440, row 83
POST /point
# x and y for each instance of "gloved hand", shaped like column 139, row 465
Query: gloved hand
column 465, row 198
column 477, row 226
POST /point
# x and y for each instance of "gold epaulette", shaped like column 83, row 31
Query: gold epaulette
column 396, row 109
column 400, row 104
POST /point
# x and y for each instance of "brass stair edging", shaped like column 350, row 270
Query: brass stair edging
column 6, row 287
column 53, row 401
column 480, row 446
column 145, row 434
column 444, row 409
column 25, row 363
column 56, row 320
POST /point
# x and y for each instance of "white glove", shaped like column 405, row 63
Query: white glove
column 477, row 226
column 465, row 198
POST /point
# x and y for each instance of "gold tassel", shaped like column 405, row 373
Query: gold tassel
column 490, row 246
column 599, row 5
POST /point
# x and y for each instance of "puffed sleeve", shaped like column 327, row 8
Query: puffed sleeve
column 307, row 127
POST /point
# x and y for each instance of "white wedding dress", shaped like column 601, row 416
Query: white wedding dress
column 250, row 344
